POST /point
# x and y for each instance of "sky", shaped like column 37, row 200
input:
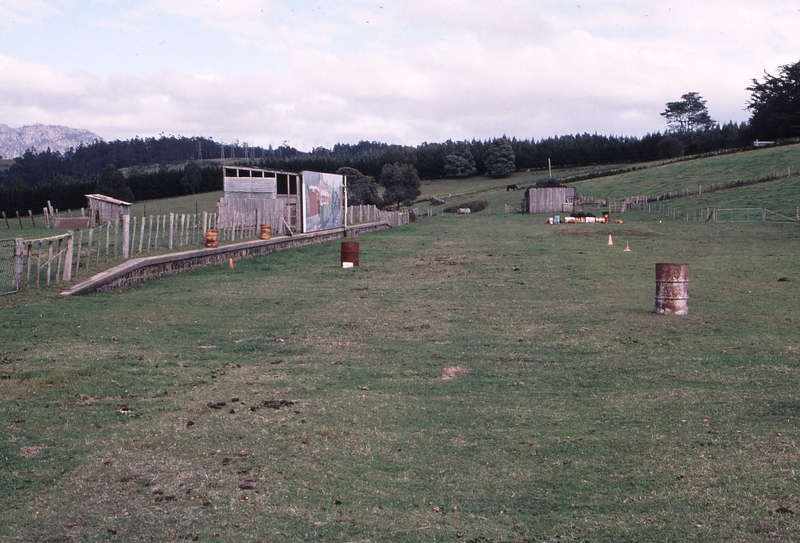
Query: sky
column 313, row 74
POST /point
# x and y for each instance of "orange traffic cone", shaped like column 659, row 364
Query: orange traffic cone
column 627, row 247
column 610, row 241
column 230, row 263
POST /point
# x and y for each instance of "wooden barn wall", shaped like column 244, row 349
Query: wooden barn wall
column 549, row 199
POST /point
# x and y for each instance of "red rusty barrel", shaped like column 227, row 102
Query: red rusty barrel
column 349, row 253
column 672, row 289
column 212, row 239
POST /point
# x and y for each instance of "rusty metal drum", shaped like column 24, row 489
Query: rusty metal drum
column 672, row 289
column 212, row 239
column 349, row 253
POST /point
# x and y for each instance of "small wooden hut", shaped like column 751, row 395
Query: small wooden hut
column 548, row 199
column 104, row 208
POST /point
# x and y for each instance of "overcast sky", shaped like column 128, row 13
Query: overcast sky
column 400, row 71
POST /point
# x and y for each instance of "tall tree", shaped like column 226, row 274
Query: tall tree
column 112, row 183
column 670, row 147
column 401, row 183
column 361, row 189
column 775, row 104
column 192, row 177
column 460, row 163
column 500, row 159
column 688, row 115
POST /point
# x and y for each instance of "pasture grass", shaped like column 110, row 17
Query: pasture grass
column 482, row 377
column 450, row 187
column 689, row 174
column 188, row 204
column 780, row 195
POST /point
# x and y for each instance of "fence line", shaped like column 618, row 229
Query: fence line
column 38, row 262
column 370, row 213
column 719, row 215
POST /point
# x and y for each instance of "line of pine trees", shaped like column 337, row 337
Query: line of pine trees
column 63, row 178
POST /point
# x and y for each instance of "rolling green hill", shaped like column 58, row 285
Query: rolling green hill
column 781, row 194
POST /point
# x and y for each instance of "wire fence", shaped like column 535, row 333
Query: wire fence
column 717, row 215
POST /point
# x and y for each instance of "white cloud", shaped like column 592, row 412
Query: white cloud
column 403, row 71
column 19, row 12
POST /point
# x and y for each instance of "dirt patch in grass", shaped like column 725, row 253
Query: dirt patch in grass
column 33, row 451
column 453, row 372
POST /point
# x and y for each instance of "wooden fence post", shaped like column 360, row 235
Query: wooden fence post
column 133, row 235
column 67, row 273
column 89, row 248
column 171, row 229
column 99, row 245
column 19, row 260
column 116, row 237
column 141, row 234
column 78, row 259
column 150, row 232
column 59, row 253
column 108, row 239
column 126, row 237
column 49, row 259
column 38, row 262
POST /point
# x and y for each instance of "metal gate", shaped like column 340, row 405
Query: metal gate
column 7, row 266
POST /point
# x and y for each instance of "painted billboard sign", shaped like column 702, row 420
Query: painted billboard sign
column 323, row 201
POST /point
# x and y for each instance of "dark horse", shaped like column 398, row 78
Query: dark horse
column 511, row 187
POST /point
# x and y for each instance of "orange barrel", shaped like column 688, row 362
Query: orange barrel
column 672, row 289
column 212, row 239
column 350, row 253
column 266, row 231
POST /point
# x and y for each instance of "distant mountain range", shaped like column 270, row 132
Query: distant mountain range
column 15, row 141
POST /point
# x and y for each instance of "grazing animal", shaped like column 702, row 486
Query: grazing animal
column 511, row 187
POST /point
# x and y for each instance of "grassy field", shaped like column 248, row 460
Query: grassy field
column 477, row 377
column 781, row 195
column 191, row 203
column 449, row 187
column 690, row 174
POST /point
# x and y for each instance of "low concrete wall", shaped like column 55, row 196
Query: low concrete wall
column 139, row 270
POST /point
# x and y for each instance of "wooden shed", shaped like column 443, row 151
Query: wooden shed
column 104, row 208
column 548, row 199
